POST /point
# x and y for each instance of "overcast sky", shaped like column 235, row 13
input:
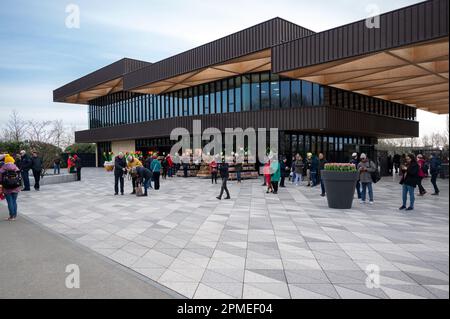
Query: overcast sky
column 39, row 53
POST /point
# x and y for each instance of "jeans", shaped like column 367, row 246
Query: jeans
column 11, row 199
column 26, row 180
column 297, row 178
column 358, row 189
column 147, row 183
column 408, row 189
column 365, row 187
column 37, row 178
column 117, row 179
column 322, row 187
column 433, row 181
column 56, row 169
column 238, row 176
column 224, row 187
column 314, row 178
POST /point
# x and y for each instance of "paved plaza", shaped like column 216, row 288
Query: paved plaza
column 256, row 245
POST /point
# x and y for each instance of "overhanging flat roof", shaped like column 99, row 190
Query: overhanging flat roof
column 104, row 81
column 405, row 60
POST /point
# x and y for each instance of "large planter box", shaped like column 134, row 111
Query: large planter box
column 339, row 188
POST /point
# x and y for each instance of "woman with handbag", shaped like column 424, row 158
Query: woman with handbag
column 409, row 181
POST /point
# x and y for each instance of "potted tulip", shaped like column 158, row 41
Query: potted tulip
column 340, row 182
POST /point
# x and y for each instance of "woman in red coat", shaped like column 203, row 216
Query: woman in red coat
column 267, row 177
column 422, row 175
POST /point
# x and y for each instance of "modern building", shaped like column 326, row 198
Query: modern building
column 335, row 91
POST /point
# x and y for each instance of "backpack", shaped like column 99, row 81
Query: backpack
column 11, row 179
column 375, row 176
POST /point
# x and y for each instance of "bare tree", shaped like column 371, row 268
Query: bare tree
column 39, row 131
column 58, row 134
column 16, row 128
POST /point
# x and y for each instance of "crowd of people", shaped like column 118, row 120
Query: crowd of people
column 15, row 175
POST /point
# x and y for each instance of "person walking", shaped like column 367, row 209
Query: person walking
column 355, row 162
column 36, row 167
column 156, row 171
column 213, row 171
column 275, row 174
column 133, row 162
column 78, row 166
column 238, row 168
column 322, row 163
column 10, row 181
column 120, row 167
column 25, row 166
column 284, row 170
column 307, row 167
column 435, row 167
column 169, row 165
column 298, row 168
column 224, row 174
column 409, row 181
column 421, row 163
column 57, row 166
column 267, row 176
column 143, row 175
column 365, row 168
column 314, row 170
column 165, row 168
column 397, row 161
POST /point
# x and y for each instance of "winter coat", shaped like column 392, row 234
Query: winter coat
column 36, row 164
column 224, row 171
column 411, row 177
column 155, row 167
column 421, row 164
column 435, row 166
column 134, row 163
column 3, row 169
column 298, row 167
column 365, row 176
column 276, row 173
column 213, row 167
column 25, row 163
column 315, row 164
column 119, row 165
column 144, row 173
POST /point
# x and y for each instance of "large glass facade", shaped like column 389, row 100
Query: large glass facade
column 249, row 92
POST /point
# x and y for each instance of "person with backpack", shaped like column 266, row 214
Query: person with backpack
column 10, row 180
column 422, row 168
column 36, row 168
column 365, row 168
column 435, row 167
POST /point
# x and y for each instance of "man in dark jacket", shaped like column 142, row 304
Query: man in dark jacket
column 224, row 173
column 322, row 162
column 435, row 167
column 78, row 166
column 120, row 167
column 25, row 166
column 409, row 181
column 145, row 177
column 284, row 170
column 314, row 171
column 396, row 160
column 36, row 167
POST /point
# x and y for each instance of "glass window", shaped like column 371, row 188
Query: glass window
column 195, row 97
column 275, row 91
column 231, row 95
column 301, row 144
column 307, row 147
column 306, row 93
column 294, row 144
column 285, row 90
column 224, row 96
column 207, row 99
column 246, row 100
column 200, row 100
column 218, row 97
column 212, row 98
column 313, row 144
column 238, row 94
column 167, row 106
column 265, row 90
column 316, row 95
column 185, row 102
column 256, row 92
column 296, row 96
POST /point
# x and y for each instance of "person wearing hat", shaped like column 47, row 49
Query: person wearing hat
column 10, row 181
column 25, row 164
column 365, row 168
column 355, row 162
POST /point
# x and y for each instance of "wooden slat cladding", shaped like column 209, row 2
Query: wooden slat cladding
column 251, row 40
column 308, row 119
column 425, row 21
column 110, row 72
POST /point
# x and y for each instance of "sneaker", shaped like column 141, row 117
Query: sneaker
column 219, row 198
column 227, row 197
column 362, row 201
column 323, row 195
column 402, row 208
column 371, row 202
column 410, row 208
column 115, row 194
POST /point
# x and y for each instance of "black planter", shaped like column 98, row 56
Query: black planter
column 340, row 188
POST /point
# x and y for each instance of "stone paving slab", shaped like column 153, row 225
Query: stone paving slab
column 256, row 245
